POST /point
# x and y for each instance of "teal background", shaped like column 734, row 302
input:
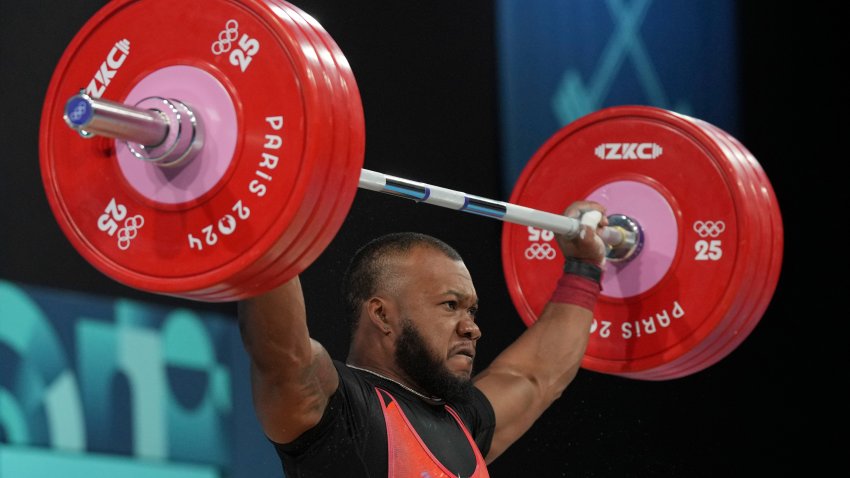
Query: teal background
column 120, row 387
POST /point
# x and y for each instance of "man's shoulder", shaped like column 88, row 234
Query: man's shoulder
column 354, row 385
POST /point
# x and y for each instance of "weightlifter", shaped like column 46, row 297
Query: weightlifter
column 406, row 403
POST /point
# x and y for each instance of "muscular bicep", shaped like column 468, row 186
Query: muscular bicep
column 292, row 375
column 515, row 400
column 288, row 404
column 529, row 375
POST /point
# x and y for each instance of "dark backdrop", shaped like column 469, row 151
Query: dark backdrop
column 427, row 74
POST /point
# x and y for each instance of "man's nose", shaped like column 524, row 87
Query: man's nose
column 469, row 329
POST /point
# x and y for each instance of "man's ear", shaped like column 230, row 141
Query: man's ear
column 377, row 308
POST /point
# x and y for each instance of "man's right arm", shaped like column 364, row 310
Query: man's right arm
column 292, row 375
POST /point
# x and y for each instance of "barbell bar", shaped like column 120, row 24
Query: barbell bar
column 144, row 129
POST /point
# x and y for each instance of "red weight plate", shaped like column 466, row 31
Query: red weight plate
column 717, row 337
column 770, row 247
column 303, row 236
column 648, row 320
column 713, row 347
column 770, row 206
column 356, row 121
column 309, row 244
column 753, row 287
column 744, row 324
column 325, row 198
column 187, row 248
column 771, row 244
column 338, row 195
column 775, row 237
column 354, row 158
column 349, row 165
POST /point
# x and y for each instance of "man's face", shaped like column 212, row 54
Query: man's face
column 437, row 305
column 425, row 367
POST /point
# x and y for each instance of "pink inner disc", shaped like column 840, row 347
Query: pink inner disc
column 210, row 101
column 648, row 207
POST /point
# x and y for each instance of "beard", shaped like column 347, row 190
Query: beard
column 425, row 369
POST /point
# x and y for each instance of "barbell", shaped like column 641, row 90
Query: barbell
column 226, row 143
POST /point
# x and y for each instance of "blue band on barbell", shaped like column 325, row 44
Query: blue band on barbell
column 483, row 207
column 407, row 190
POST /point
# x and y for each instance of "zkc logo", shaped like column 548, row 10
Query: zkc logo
column 628, row 151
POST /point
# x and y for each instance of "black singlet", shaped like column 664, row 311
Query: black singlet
column 351, row 438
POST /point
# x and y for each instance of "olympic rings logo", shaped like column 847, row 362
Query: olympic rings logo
column 78, row 112
column 129, row 231
column 540, row 251
column 709, row 228
column 226, row 37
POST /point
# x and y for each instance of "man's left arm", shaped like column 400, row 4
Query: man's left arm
column 524, row 380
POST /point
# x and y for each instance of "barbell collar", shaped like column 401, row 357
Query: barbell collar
column 632, row 238
column 90, row 116
column 158, row 130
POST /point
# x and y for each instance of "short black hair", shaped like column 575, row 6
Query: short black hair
column 366, row 270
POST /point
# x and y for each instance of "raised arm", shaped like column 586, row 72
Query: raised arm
column 292, row 375
column 532, row 372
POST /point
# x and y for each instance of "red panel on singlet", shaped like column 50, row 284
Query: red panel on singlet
column 408, row 457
